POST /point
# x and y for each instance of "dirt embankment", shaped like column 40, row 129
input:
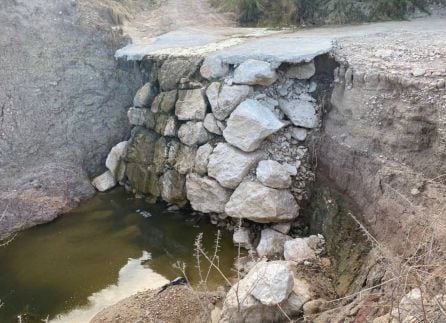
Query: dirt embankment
column 385, row 137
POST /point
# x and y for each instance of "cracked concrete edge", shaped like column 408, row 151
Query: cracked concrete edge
column 233, row 46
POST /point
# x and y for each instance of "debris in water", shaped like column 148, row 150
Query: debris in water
column 145, row 214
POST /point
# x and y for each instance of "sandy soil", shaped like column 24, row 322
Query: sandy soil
column 175, row 304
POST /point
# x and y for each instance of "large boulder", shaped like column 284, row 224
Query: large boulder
column 258, row 203
column 229, row 165
column 249, row 124
column 160, row 155
column 190, row 105
column 298, row 250
column 303, row 71
column 271, row 243
column 193, row 133
column 302, row 113
column 282, row 227
column 161, row 120
column 115, row 160
column 165, row 102
column 210, row 123
column 185, row 159
column 104, row 182
column 176, row 68
column 298, row 133
column 141, row 147
column 300, row 295
column 225, row 98
column 202, row 159
column 143, row 179
column 173, row 188
column 138, row 116
column 254, row 72
column 174, row 149
column 274, row 282
column 254, row 297
column 272, row 174
column 145, row 95
column 242, row 237
column 213, row 68
column 206, row 195
column 170, row 129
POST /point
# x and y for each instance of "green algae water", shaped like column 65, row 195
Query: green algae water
column 107, row 249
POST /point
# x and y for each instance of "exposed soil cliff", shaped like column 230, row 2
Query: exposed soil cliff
column 62, row 104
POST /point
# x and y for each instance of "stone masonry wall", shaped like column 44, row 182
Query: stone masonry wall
column 228, row 140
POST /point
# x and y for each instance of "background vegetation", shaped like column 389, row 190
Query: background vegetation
column 309, row 12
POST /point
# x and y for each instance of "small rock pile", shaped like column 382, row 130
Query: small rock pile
column 272, row 290
column 228, row 140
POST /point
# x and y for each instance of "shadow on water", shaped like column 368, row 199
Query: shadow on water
column 99, row 250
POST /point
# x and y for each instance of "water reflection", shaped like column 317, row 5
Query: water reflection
column 82, row 258
column 133, row 277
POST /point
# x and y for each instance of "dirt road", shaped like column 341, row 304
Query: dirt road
column 168, row 15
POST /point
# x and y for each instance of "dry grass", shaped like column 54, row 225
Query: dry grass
column 420, row 270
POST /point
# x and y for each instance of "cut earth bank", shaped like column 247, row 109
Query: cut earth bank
column 239, row 132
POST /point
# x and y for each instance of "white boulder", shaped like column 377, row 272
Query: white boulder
column 225, row 98
column 258, row 203
column 298, row 250
column 249, row 124
column 272, row 174
column 282, row 227
column 298, row 133
column 255, row 72
column 205, row 194
column 202, row 159
column 242, row 237
column 270, row 282
column 210, row 123
column 274, row 282
column 253, row 298
column 302, row 113
column 115, row 160
column 302, row 71
column 190, row 105
column 229, row 165
column 185, row 159
column 193, row 133
column 271, row 243
column 104, row 182
column 213, row 68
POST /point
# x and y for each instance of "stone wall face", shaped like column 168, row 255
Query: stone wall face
column 230, row 140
